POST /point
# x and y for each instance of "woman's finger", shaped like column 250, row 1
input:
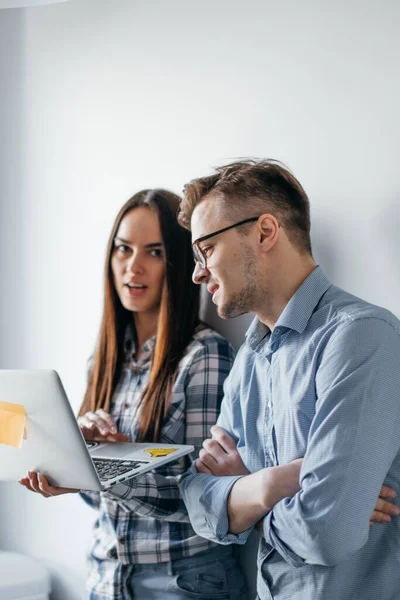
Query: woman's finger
column 33, row 480
column 25, row 482
column 92, row 420
column 100, row 426
column 108, row 419
column 51, row 490
column 85, row 422
column 43, row 485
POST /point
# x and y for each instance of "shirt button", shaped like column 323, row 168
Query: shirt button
column 126, row 405
column 136, row 372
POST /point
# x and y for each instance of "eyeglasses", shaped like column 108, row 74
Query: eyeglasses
column 199, row 257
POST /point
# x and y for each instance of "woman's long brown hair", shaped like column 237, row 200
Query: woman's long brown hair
column 176, row 323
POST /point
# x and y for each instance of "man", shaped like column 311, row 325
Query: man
column 317, row 377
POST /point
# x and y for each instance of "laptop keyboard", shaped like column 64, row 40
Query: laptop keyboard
column 108, row 468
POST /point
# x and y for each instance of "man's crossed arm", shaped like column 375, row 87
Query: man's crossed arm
column 253, row 495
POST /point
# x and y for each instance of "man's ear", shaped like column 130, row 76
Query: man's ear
column 268, row 231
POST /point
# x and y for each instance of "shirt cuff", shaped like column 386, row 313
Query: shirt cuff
column 91, row 498
column 215, row 502
column 271, row 538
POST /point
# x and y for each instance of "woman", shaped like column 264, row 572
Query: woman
column 156, row 375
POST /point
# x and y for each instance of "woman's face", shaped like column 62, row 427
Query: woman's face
column 138, row 261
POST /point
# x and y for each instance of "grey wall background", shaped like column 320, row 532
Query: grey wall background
column 101, row 98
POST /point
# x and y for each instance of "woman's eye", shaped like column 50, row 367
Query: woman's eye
column 123, row 249
column 206, row 251
column 156, row 252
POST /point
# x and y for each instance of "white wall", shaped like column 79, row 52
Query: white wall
column 101, row 98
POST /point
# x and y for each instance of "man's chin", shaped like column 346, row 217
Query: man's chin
column 222, row 314
column 228, row 312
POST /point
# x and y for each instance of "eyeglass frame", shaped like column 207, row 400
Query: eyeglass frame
column 210, row 235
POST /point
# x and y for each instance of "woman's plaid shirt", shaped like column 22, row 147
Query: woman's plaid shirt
column 144, row 520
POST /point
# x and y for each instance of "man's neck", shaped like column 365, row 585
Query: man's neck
column 288, row 280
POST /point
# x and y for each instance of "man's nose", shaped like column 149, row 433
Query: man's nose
column 200, row 274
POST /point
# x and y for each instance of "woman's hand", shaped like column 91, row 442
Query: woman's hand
column 96, row 426
column 37, row 482
column 99, row 426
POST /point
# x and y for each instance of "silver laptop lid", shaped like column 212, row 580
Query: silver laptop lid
column 54, row 444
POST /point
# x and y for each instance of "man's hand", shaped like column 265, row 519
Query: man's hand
column 384, row 510
column 99, row 426
column 219, row 456
column 37, row 482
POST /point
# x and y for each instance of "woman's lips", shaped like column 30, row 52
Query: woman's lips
column 136, row 291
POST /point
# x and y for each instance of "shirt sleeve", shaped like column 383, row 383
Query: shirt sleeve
column 91, row 498
column 353, row 441
column 206, row 496
column 154, row 494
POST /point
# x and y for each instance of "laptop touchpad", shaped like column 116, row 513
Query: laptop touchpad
column 124, row 450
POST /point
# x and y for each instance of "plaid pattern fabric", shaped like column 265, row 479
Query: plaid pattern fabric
column 144, row 520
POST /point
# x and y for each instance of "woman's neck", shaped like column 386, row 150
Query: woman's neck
column 146, row 327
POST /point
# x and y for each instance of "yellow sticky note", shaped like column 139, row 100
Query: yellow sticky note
column 12, row 424
column 155, row 452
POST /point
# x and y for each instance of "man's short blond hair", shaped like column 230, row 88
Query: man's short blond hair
column 250, row 188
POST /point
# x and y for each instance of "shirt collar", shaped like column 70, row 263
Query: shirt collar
column 130, row 346
column 298, row 310
column 301, row 305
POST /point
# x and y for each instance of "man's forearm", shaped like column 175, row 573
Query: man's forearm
column 247, row 501
column 253, row 496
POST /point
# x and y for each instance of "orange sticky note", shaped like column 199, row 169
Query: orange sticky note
column 12, row 424
column 155, row 452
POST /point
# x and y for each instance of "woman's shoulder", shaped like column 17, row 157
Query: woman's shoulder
column 207, row 340
column 207, row 352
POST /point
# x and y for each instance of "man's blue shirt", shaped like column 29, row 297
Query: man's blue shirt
column 324, row 385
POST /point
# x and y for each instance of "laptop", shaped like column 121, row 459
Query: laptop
column 55, row 446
